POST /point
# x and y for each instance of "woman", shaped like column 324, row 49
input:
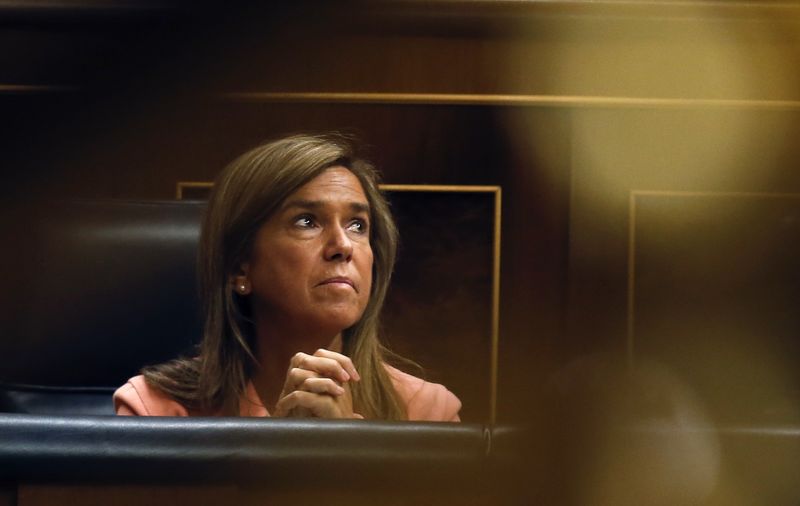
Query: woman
column 295, row 258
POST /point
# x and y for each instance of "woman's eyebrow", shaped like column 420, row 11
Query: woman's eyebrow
column 358, row 207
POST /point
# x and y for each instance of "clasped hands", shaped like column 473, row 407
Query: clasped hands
column 318, row 386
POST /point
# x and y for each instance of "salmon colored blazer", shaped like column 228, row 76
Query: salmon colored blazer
column 424, row 401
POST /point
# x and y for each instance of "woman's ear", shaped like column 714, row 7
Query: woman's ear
column 240, row 281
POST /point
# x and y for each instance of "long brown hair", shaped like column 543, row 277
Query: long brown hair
column 246, row 193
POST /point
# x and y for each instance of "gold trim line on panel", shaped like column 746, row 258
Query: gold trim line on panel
column 671, row 193
column 439, row 188
column 631, row 317
column 498, row 206
column 183, row 185
column 631, row 275
column 496, row 251
column 512, row 100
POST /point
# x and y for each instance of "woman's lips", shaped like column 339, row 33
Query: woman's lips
column 339, row 281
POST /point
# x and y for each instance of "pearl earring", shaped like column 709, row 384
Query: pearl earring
column 242, row 288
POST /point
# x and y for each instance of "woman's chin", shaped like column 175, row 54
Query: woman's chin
column 335, row 322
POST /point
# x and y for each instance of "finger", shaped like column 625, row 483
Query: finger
column 323, row 366
column 322, row 406
column 289, row 405
column 295, row 377
column 321, row 386
column 343, row 360
column 298, row 412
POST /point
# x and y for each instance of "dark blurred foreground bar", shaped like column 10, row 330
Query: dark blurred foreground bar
column 37, row 448
column 132, row 460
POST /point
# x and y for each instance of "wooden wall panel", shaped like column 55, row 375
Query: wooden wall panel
column 716, row 285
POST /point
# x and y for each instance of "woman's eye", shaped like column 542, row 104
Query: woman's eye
column 358, row 226
column 304, row 222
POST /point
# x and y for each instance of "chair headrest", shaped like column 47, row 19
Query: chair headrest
column 105, row 287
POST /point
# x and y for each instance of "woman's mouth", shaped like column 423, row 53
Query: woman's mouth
column 339, row 280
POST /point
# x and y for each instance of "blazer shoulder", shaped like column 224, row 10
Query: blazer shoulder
column 137, row 397
column 425, row 401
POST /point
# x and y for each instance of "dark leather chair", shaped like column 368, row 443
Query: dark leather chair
column 104, row 287
column 55, row 400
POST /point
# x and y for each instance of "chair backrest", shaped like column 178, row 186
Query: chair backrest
column 105, row 287
column 55, row 401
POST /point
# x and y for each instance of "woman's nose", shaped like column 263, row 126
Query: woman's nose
column 338, row 246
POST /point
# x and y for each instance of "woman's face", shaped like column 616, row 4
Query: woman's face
column 311, row 264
